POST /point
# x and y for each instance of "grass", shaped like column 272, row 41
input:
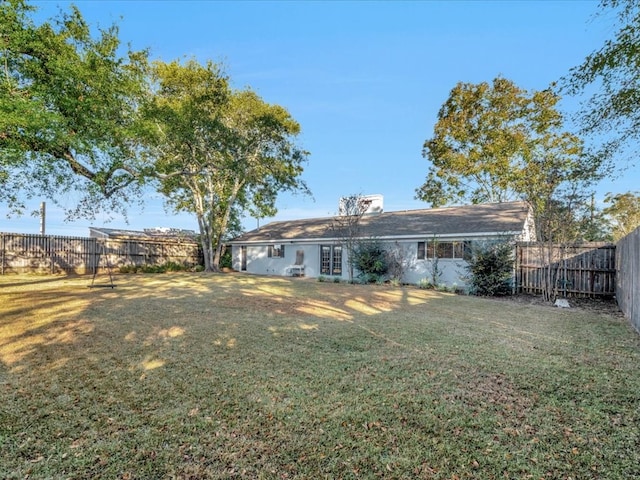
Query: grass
column 194, row 376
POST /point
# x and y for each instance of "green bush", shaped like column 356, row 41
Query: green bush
column 152, row 269
column 226, row 261
column 166, row 267
column 174, row 267
column 128, row 269
column 490, row 268
column 370, row 258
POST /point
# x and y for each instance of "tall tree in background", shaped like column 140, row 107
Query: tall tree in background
column 68, row 111
column 497, row 142
column 593, row 224
column 610, row 77
column 220, row 152
column 623, row 212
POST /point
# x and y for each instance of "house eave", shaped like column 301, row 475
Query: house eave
column 420, row 236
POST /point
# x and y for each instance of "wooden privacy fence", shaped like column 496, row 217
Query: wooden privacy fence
column 584, row 270
column 628, row 276
column 22, row 253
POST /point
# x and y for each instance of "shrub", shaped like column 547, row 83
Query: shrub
column 490, row 268
column 226, row 261
column 152, row 269
column 395, row 282
column 166, row 267
column 174, row 267
column 128, row 269
column 370, row 258
column 366, row 278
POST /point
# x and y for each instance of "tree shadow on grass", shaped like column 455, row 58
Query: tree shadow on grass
column 69, row 319
column 184, row 372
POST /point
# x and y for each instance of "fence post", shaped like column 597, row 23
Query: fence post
column 52, row 244
column 94, row 245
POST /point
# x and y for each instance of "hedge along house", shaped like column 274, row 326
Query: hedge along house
column 425, row 239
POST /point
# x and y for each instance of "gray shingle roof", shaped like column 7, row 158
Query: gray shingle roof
column 508, row 217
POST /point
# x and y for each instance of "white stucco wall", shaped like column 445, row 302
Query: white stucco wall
column 452, row 271
column 258, row 262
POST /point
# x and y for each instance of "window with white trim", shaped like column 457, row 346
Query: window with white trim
column 439, row 249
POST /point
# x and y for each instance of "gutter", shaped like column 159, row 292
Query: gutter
column 383, row 238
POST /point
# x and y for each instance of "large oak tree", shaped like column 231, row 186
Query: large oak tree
column 496, row 142
column 220, row 152
column 68, row 111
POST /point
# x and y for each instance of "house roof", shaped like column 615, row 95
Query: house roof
column 146, row 234
column 482, row 219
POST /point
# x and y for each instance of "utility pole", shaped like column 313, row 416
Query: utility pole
column 43, row 213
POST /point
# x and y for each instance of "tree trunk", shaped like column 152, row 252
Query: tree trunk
column 218, row 254
column 206, row 244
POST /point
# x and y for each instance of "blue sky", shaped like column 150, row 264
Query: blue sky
column 364, row 79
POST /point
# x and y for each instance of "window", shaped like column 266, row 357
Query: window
column 438, row 249
column 276, row 251
column 443, row 249
column 336, row 268
column 331, row 260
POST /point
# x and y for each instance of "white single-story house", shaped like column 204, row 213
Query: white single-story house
column 316, row 247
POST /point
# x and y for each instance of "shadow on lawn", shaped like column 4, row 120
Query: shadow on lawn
column 31, row 320
column 171, row 374
column 12, row 281
column 146, row 318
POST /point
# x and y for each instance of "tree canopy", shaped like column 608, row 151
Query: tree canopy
column 623, row 212
column 77, row 116
column 68, row 111
column 610, row 78
column 497, row 142
column 220, row 152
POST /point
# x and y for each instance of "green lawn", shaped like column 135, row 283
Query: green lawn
column 196, row 376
